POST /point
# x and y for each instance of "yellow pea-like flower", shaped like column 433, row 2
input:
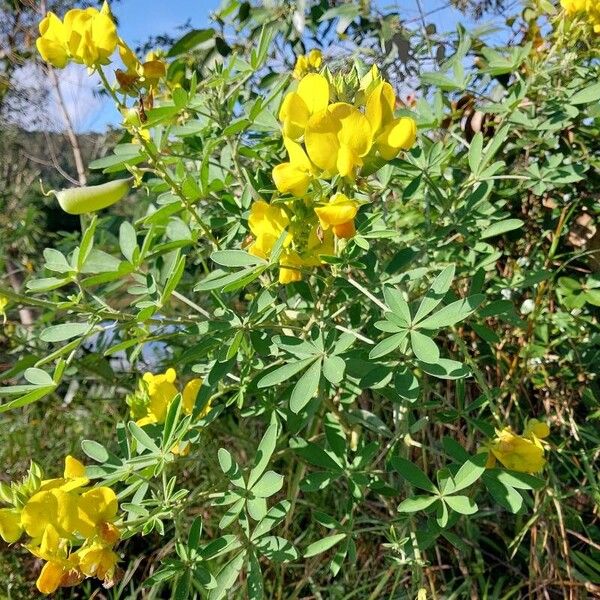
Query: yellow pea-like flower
column 97, row 560
column 312, row 96
column 52, row 43
column 87, row 199
column 338, row 214
column 523, row 453
column 54, row 507
column 338, row 138
column 189, row 395
column 294, row 177
column 390, row 135
column 87, row 36
column 266, row 222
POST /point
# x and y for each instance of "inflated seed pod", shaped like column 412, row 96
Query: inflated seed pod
column 87, row 199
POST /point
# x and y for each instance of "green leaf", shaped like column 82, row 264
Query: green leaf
column 127, row 240
column 95, row 450
column 446, row 369
column 142, row 437
column 504, row 495
column 323, row 545
column 268, row 485
column 227, row 576
column 520, row 481
column 263, row 454
column 37, row 376
column 475, row 151
column 470, row 472
column 461, row 504
column 274, row 516
column 191, row 40
column 306, row 388
column 416, row 504
column 452, row 313
column 276, row 548
column 236, row 258
column 256, row 588
column 33, row 396
column 283, row 373
column 230, row 467
column 397, row 304
column 500, row 227
column 388, row 345
column 586, row 95
column 333, row 369
column 440, row 286
column 424, row 347
column 412, row 474
column 65, row 331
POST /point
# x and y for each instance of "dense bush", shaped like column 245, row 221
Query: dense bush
column 342, row 343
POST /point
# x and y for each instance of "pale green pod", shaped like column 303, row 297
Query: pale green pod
column 87, row 199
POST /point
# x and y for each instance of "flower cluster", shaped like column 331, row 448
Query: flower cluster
column 523, row 453
column 589, row 8
column 70, row 525
column 307, row 63
column 150, row 403
column 333, row 134
column 86, row 36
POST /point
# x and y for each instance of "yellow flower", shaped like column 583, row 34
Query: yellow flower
column 307, row 63
column 266, row 222
column 390, row 135
column 520, row 453
column 573, row 6
column 87, row 36
column 58, row 573
column 338, row 138
column 338, row 214
column 311, row 97
column 95, row 509
column 161, row 389
column 52, row 43
column 10, row 524
column 97, row 560
column 55, row 508
column 157, row 393
column 294, row 176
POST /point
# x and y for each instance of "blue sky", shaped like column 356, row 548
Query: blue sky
column 141, row 19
